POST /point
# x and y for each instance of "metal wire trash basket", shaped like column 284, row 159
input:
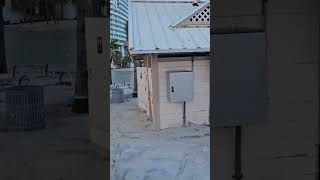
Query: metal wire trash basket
column 25, row 108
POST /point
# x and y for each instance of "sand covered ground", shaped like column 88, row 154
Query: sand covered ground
column 59, row 152
column 138, row 153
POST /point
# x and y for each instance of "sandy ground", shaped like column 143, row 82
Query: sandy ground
column 138, row 153
column 63, row 150
column 59, row 152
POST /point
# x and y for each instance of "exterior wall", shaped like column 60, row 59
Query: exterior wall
column 142, row 80
column 99, row 105
column 284, row 147
column 197, row 111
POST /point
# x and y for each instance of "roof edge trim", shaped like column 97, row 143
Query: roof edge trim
column 137, row 52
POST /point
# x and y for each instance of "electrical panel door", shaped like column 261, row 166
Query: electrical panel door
column 238, row 79
column 180, row 86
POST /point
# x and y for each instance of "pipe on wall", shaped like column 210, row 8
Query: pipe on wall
column 184, row 103
column 192, row 62
column 184, row 115
column 238, row 175
column 238, row 160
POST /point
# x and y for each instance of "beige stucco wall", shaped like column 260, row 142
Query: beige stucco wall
column 284, row 147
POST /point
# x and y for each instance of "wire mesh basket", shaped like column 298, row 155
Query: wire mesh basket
column 25, row 108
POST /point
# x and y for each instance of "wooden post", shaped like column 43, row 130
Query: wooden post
column 135, row 89
column 81, row 82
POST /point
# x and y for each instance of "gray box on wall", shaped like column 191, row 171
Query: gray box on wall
column 238, row 79
column 180, row 86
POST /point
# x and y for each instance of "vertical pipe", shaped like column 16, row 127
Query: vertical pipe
column 192, row 61
column 237, row 161
column 3, row 59
column 184, row 114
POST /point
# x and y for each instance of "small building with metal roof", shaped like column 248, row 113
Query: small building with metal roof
column 172, row 38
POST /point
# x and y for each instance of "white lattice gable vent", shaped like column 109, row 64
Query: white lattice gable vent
column 200, row 18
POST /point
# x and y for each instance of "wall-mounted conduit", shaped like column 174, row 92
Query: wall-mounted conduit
column 238, row 175
column 184, row 103
column 237, row 154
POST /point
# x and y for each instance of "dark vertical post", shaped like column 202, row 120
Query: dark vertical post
column 3, row 60
column 184, row 114
column 110, row 73
column 14, row 68
column 237, row 159
column 81, row 82
column 135, row 89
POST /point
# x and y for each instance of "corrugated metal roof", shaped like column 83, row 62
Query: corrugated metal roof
column 150, row 28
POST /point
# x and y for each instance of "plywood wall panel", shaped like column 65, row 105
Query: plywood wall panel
column 142, row 88
column 197, row 111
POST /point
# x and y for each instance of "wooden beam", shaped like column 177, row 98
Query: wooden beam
column 155, row 89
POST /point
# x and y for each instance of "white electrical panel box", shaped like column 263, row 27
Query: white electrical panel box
column 180, row 86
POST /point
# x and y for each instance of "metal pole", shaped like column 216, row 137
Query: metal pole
column 184, row 114
column 3, row 59
column 237, row 160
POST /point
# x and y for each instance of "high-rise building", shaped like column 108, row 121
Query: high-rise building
column 118, row 22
